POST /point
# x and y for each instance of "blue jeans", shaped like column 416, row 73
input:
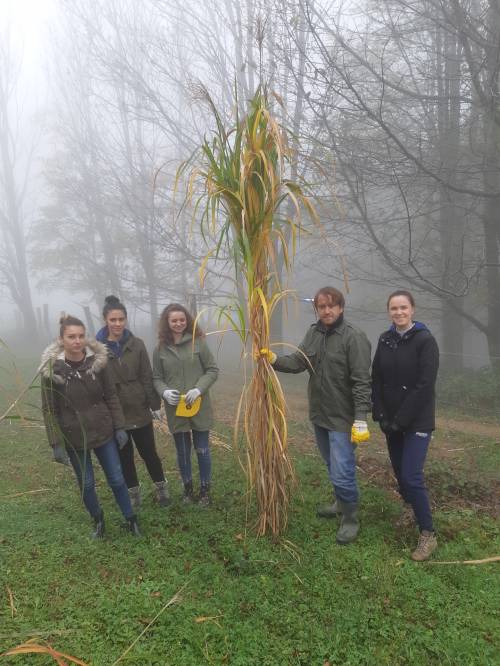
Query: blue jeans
column 108, row 457
column 407, row 451
column 183, row 445
column 337, row 451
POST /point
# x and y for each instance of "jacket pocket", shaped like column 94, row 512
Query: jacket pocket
column 392, row 398
column 132, row 396
column 335, row 363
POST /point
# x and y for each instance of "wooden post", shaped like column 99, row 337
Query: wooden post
column 46, row 321
column 19, row 321
column 192, row 304
column 90, row 321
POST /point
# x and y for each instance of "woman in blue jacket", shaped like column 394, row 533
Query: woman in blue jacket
column 403, row 390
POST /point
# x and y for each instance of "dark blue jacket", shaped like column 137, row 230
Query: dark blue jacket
column 404, row 375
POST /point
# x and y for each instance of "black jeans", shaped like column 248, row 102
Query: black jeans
column 144, row 439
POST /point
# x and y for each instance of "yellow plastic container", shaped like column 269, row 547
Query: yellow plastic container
column 187, row 411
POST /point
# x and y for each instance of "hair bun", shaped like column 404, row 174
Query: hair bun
column 111, row 300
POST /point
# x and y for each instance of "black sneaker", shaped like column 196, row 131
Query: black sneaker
column 98, row 532
column 133, row 527
column 204, row 498
column 188, row 497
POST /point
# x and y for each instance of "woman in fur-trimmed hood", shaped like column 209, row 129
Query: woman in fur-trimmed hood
column 82, row 414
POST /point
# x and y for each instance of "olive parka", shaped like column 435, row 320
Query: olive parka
column 132, row 376
column 185, row 366
column 80, row 407
column 338, row 361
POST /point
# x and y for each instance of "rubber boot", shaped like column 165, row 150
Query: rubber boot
column 162, row 493
column 328, row 510
column 349, row 524
column 98, row 532
column 135, row 497
column 188, row 497
column 133, row 527
column 204, row 498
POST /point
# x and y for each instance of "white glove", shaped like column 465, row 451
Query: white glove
column 192, row 395
column 156, row 414
column 172, row 396
column 361, row 427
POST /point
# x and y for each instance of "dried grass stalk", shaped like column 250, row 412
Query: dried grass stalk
column 31, row 647
column 244, row 189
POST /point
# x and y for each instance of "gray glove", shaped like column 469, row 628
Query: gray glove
column 121, row 437
column 60, row 455
column 192, row 395
column 171, row 396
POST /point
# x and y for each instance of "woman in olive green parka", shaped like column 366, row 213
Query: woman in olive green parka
column 183, row 365
column 130, row 370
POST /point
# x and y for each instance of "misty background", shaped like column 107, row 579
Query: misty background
column 393, row 108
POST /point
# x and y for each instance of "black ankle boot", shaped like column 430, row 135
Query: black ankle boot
column 133, row 527
column 204, row 498
column 98, row 532
column 188, row 493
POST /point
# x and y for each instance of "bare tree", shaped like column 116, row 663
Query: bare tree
column 16, row 162
column 415, row 87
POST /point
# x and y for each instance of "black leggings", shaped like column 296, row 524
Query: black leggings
column 144, row 440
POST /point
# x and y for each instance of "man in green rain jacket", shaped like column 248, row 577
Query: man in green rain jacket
column 337, row 356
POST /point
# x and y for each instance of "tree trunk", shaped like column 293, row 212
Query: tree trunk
column 451, row 216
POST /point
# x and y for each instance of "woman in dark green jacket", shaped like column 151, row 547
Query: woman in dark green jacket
column 183, row 366
column 131, row 372
column 82, row 414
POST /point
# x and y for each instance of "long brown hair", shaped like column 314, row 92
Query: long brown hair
column 165, row 335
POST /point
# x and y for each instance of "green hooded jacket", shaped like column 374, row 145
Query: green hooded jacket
column 338, row 361
column 185, row 366
column 133, row 379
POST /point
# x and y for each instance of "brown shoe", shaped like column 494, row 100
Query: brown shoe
column 427, row 544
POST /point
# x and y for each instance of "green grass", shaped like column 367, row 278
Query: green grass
column 243, row 601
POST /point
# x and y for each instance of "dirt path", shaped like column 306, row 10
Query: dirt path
column 468, row 427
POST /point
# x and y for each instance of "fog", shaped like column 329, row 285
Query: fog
column 392, row 109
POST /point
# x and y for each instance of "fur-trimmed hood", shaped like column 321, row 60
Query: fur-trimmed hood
column 96, row 358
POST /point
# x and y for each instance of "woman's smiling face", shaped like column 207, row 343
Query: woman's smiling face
column 401, row 311
column 177, row 322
